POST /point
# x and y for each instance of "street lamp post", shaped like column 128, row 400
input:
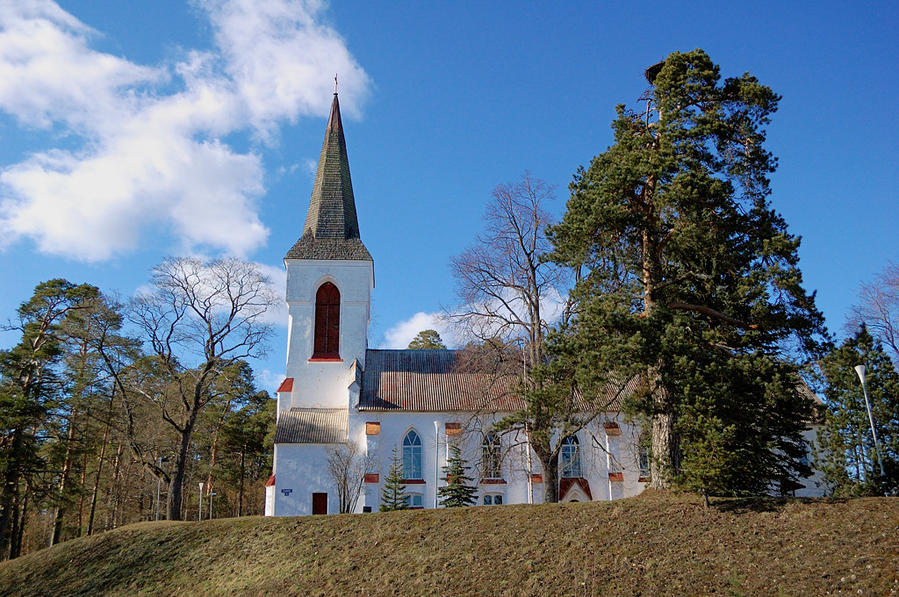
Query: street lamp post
column 200, row 513
column 436, row 459
column 860, row 370
column 212, row 494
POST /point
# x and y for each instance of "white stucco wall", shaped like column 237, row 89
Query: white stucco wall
column 814, row 485
column 595, row 462
column 300, row 471
column 302, row 468
column 315, row 383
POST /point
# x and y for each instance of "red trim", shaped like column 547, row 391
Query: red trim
column 566, row 483
column 493, row 481
column 414, row 482
column 616, row 476
column 326, row 360
column 270, row 482
column 536, row 478
column 643, row 480
column 371, row 478
column 612, row 428
column 286, row 385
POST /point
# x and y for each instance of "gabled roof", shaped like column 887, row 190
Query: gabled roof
column 331, row 230
column 431, row 381
column 446, row 381
column 312, row 426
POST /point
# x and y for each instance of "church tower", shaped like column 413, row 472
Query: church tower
column 330, row 277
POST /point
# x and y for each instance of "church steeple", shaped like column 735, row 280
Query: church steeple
column 331, row 230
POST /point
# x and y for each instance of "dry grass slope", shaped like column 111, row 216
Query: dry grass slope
column 655, row 544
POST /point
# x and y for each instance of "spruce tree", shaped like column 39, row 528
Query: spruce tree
column 457, row 491
column 393, row 497
column 690, row 280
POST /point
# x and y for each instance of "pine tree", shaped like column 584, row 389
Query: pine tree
column 846, row 452
column 457, row 491
column 690, row 280
column 393, row 497
column 427, row 340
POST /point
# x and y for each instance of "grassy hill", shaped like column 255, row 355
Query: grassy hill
column 654, row 544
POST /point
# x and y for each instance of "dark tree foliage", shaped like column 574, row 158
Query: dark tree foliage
column 393, row 496
column 846, row 452
column 79, row 454
column 690, row 279
column 457, row 491
column 427, row 340
column 30, row 390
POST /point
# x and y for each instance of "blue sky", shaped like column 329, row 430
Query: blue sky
column 134, row 130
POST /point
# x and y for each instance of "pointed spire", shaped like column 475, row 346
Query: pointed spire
column 331, row 230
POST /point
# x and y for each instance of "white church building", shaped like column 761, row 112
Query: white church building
column 417, row 402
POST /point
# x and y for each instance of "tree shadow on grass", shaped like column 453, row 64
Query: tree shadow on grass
column 761, row 503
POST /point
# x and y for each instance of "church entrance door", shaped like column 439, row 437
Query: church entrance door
column 319, row 503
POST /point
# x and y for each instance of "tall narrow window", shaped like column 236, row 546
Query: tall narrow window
column 570, row 458
column 643, row 461
column 327, row 322
column 412, row 456
column 491, row 457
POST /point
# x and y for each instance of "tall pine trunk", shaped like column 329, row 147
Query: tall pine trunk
column 60, row 510
column 10, row 494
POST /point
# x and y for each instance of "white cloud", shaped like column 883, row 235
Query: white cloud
column 268, row 381
column 150, row 156
column 454, row 334
column 261, row 41
column 276, row 315
column 403, row 332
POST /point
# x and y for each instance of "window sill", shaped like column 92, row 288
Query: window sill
column 414, row 482
column 315, row 359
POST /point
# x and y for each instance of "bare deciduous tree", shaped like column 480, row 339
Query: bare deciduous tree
column 879, row 309
column 197, row 320
column 506, row 290
column 510, row 293
column 347, row 466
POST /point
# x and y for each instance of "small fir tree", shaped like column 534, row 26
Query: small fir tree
column 394, row 495
column 457, row 491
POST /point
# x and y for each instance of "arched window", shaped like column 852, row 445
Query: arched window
column 491, row 457
column 327, row 322
column 570, row 458
column 412, row 456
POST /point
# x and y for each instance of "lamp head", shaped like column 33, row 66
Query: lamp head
column 860, row 369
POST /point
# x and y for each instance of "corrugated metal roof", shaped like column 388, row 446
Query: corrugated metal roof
column 312, row 426
column 439, row 381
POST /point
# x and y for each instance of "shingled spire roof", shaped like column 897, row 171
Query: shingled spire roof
column 331, row 230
